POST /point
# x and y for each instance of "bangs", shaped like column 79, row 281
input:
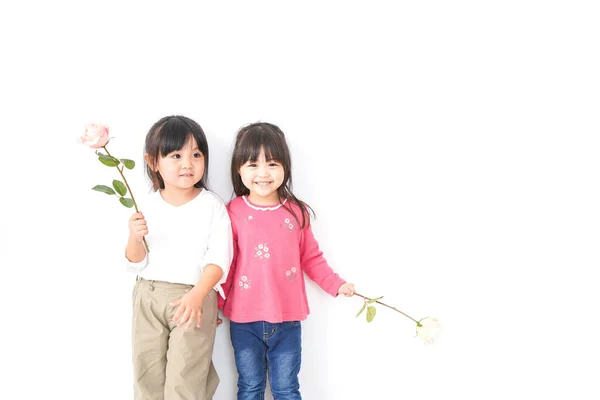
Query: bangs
column 173, row 136
column 252, row 145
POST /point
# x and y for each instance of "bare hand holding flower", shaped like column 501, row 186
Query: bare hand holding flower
column 347, row 289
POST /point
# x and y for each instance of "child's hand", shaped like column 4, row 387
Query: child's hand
column 219, row 320
column 347, row 289
column 138, row 227
column 189, row 309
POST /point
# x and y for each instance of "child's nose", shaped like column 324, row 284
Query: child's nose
column 263, row 171
column 188, row 162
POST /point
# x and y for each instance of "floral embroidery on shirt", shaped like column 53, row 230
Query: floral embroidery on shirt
column 244, row 283
column 291, row 274
column 262, row 251
column 288, row 224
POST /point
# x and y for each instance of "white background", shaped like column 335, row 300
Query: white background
column 449, row 148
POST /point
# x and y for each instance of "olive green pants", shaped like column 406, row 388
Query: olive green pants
column 171, row 363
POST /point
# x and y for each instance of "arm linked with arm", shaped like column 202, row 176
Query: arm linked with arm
column 226, row 286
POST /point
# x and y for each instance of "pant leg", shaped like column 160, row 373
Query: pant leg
column 150, row 336
column 250, row 359
column 284, row 356
column 191, row 374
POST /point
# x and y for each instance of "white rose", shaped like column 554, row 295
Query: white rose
column 429, row 330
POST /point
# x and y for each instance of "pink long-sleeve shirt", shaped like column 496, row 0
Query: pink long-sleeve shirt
column 271, row 252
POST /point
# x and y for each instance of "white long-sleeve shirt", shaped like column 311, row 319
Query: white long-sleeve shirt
column 183, row 240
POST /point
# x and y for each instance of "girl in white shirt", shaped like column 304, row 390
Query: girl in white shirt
column 188, row 232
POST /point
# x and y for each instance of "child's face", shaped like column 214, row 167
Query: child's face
column 181, row 169
column 262, row 177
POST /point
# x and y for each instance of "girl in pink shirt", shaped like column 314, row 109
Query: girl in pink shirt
column 273, row 247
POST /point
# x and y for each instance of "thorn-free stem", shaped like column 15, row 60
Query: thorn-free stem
column 130, row 193
column 393, row 308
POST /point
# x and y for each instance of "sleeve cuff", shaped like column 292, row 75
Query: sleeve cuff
column 218, row 286
column 333, row 289
column 136, row 266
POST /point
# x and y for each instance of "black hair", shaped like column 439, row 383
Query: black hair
column 170, row 134
column 250, row 140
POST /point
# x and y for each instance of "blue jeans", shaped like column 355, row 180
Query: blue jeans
column 263, row 348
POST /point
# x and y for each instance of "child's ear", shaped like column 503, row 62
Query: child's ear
column 149, row 162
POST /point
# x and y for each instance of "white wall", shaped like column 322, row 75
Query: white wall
column 450, row 150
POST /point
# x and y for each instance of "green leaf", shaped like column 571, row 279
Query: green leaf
column 120, row 187
column 361, row 310
column 374, row 300
column 127, row 202
column 103, row 189
column 108, row 161
column 371, row 311
column 129, row 164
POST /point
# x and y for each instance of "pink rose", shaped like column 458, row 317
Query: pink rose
column 95, row 136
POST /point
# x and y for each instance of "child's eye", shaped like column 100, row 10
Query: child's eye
column 197, row 155
column 251, row 165
column 176, row 156
column 273, row 164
